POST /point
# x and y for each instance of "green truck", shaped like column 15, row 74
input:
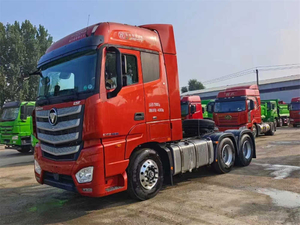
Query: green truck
column 207, row 108
column 275, row 111
column 15, row 126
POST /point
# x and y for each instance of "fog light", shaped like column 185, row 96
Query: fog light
column 85, row 175
column 15, row 138
column 37, row 167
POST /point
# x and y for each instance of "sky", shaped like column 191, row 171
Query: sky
column 213, row 38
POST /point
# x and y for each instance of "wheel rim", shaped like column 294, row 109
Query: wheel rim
column 227, row 155
column 149, row 174
column 247, row 149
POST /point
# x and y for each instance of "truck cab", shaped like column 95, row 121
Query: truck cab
column 240, row 108
column 191, row 107
column 15, row 123
column 207, row 108
column 295, row 111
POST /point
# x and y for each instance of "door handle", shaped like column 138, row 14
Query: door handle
column 139, row 116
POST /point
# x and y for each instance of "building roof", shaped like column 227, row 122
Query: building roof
column 261, row 82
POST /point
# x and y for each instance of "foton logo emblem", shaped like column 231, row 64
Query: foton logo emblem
column 53, row 116
column 228, row 117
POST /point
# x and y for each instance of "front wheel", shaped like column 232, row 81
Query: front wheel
column 225, row 156
column 145, row 174
column 246, row 154
column 24, row 149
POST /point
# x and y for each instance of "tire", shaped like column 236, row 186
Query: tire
column 197, row 127
column 272, row 130
column 139, row 186
column 280, row 122
column 254, row 130
column 224, row 164
column 276, row 122
column 294, row 125
column 247, row 149
column 24, row 149
column 288, row 122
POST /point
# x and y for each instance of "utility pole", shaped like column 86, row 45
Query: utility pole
column 257, row 81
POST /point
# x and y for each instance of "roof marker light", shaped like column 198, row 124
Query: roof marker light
column 94, row 29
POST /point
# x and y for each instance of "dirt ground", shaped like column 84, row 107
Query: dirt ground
column 266, row 192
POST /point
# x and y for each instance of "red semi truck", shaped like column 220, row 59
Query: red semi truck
column 295, row 111
column 191, row 107
column 108, row 115
column 238, row 108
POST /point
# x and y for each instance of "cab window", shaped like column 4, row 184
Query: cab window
column 129, row 78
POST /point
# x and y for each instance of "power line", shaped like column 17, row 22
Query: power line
column 252, row 70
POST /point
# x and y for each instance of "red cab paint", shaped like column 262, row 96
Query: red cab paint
column 191, row 107
column 295, row 111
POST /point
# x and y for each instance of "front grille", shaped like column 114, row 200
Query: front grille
column 6, row 129
column 234, row 120
column 61, row 141
column 59, row 180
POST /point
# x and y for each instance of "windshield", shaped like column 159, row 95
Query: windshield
column 72, row 74
column 10, row 114
column 235, row 106
column 295, row 106
column 184, row 109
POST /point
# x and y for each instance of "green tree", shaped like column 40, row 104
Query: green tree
column 195, row 85
column 21, row 45
column 184, row 89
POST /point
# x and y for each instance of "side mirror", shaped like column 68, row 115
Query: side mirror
column 251, row 104
column 23, row 115
column 115, row 92
column 193, row 109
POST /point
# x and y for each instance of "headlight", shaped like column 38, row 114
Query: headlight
column 15, row 138
column 37, row 167
column 85, row 175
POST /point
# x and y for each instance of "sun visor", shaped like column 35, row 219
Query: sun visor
column 90, row 42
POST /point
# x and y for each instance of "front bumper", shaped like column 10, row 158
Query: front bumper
column 61, row 174
column 7, row 139
column 295, row 121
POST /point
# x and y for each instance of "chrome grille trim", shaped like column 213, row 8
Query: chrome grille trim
column 64, row 125
column 58, row 139
column 60, row 112
column 60, row 151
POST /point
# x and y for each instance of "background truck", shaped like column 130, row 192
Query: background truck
column 191, row 107
column 207, row 108
column 276, row 111
column 295, row 111
column 239, row 108
column 15, row 125
column 108, row 115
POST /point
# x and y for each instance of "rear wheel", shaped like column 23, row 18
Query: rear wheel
column 145, row 174
column 294, row 125
column 272, row 129
column 288, row 121
column 245, row 155
column 280, row 122
column 225, row 156
column 275, row 122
